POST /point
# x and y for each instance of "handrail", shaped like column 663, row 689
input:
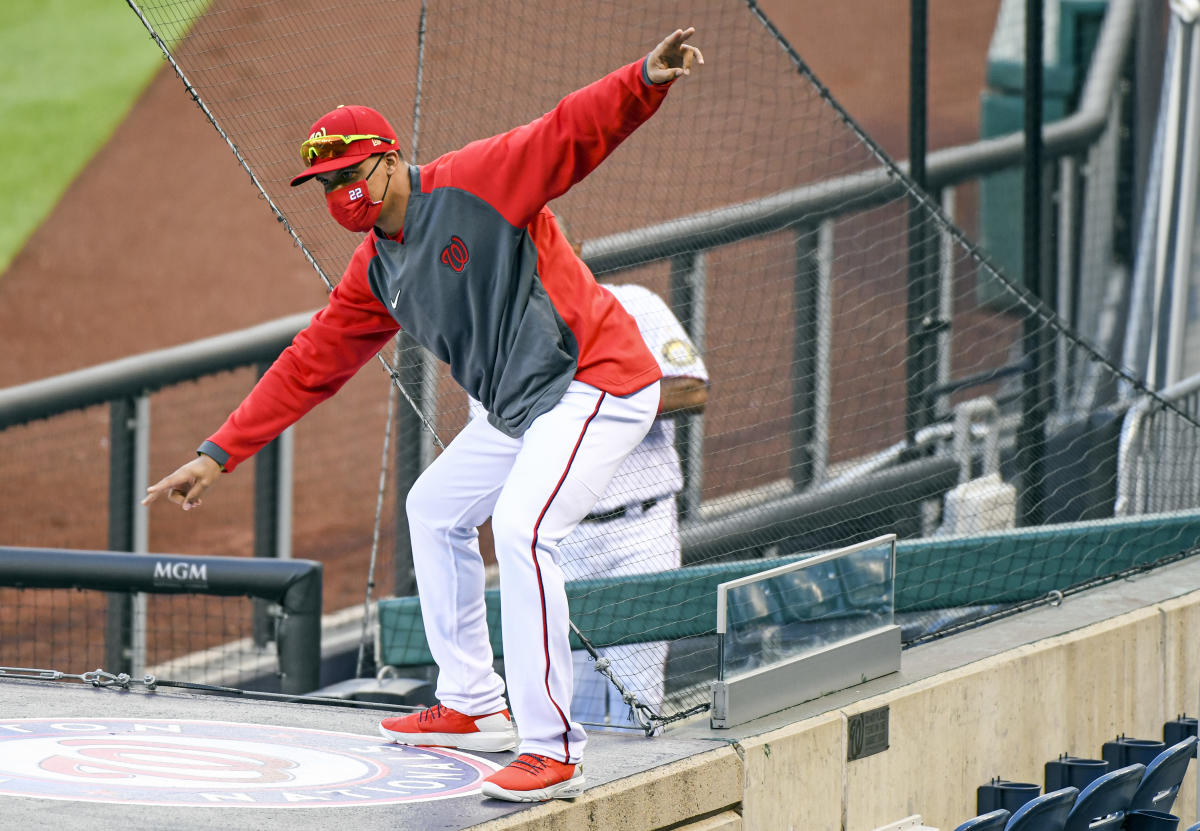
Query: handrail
column 1131, row 434
column 138, row 374
column 296, row 585
column 822, row 200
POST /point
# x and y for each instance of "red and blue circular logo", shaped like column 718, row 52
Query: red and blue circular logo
column 220, row 764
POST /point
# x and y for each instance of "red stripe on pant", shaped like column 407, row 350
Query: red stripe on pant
column 542, row 588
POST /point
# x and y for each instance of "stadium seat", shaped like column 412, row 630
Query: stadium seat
column 1075, row 772
column 1001, row 793
column 1047, row 812
column 1195, row 827
column 991, row 821
column 1160, row 785
column 1179, row 729
column 1124, row 751
column 1145, row 820
column 1102, row 805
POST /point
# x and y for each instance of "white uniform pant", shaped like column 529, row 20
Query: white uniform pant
column 536, row 489
column 643, row 540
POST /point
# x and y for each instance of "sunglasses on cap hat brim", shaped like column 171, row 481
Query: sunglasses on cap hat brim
column 333, row 152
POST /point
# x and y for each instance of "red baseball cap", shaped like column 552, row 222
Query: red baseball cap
column 377, row 136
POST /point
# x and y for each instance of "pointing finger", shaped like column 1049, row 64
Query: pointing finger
column 162, row 486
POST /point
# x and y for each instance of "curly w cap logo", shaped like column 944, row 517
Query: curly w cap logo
column 217, row 764
column 456, row 254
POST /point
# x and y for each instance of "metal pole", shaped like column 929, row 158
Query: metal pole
column 1066, row 272
column 121, row 495
column 819, row 447
column 805, row 360
column 1031, row 436
column 1149, row 52
column 1185, row 217
column 300, row 633
column 410, row 438
column 918, row 60
column 688, row 298
column 921, row 365
column 940, row 404
column 266, row 487
column 272, row 516
column 140, row 521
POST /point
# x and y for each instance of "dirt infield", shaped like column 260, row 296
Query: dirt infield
column 162, row 240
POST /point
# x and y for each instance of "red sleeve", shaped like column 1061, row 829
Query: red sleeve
column 520, row 171
column 341, row 337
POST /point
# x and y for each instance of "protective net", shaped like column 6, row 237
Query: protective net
column 189, row 638
column 870, row 369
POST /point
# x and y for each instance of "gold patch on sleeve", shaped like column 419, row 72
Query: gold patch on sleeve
column 679, row 352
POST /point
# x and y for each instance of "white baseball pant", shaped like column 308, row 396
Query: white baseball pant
column 536, row 489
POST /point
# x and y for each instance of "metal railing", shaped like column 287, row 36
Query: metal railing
column 294, row 585
column 808, row 212
column 125, row 385
column 1085, row 140
column 1158, row 453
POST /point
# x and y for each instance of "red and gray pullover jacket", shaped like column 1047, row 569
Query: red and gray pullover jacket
column 481, row 276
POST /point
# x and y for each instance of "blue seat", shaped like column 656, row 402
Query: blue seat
column 1075, row 772
column 1047, row 812
column 1123, row 751
column 1160, row 785
column 991, row 821
column 1195, row 827
column 1102, row 805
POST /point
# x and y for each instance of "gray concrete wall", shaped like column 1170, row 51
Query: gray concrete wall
column 1003, row 716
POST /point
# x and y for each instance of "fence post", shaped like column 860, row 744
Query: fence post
column 410, row 438
column 688, row 300
column 272, row 515
column 118, row 635
column 1038, row 348
column 924, row 320
column 300, row 634
column 806, row 367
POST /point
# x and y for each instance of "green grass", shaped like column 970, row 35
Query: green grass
column 69, row 72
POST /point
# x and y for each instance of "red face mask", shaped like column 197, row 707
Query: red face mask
column 352, row 207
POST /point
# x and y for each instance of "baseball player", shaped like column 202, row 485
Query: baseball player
column 634, row 527
column 463, row 253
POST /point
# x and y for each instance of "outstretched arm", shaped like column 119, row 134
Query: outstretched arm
column 339, row 339
column 518, row 172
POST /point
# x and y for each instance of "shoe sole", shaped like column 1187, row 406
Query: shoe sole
column 563, row 790
column 492, row 742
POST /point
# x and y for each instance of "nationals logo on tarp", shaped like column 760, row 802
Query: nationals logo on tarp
column 219, row 764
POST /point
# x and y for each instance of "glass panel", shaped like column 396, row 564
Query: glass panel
column 775, row 619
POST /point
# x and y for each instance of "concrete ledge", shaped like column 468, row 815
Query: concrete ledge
column 707, row 785
column 725, row 821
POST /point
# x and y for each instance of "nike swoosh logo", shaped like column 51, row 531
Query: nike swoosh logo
column 396, row 299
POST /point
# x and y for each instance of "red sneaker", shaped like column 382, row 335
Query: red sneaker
column 534, row 778
column 442, row 727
